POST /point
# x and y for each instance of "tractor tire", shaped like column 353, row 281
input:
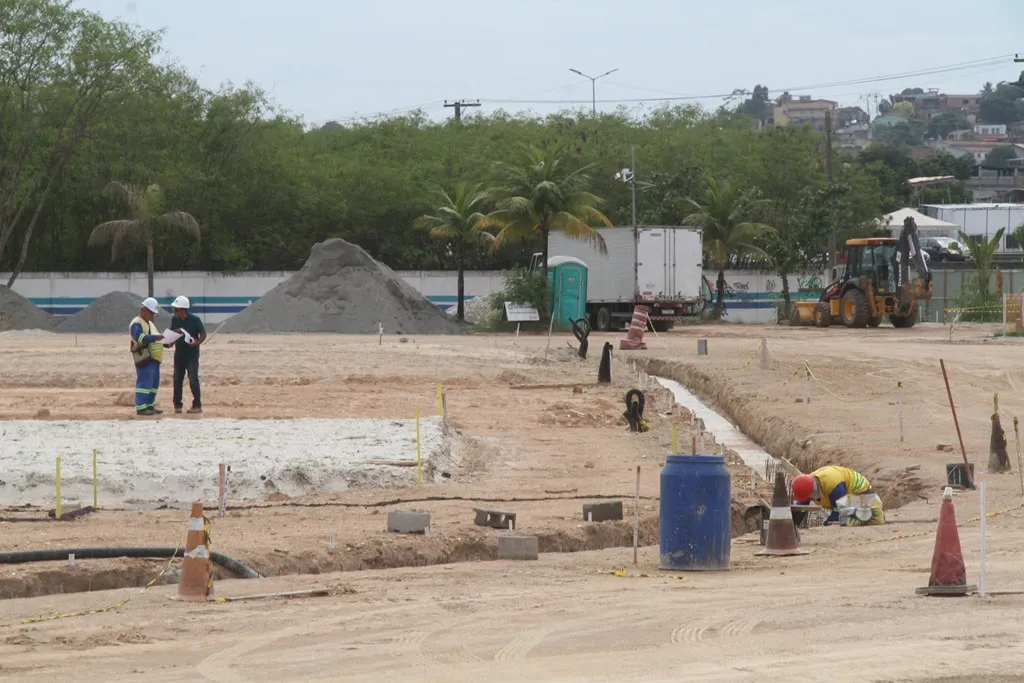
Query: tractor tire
column 822, row 315
column 603, row 320
column 875, row 322
column 854, row 309
column 900, row 321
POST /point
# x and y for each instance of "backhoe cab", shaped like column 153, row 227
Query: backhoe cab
column 875, row 283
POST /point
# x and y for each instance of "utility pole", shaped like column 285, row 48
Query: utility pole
column 593, row 86
column 459, row 104
column 828, row 179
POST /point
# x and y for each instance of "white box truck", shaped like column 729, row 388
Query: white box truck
column 660, row 267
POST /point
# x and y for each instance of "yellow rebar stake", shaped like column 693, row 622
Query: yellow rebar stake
column 675, row 442
column 57, row 512
column 95, row 482
column 419, row 461
column 440, row 407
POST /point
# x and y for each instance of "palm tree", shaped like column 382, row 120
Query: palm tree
column 145, row 205
column 982, row 252
column 543, row 194
column 724, row 212
column 459, row 221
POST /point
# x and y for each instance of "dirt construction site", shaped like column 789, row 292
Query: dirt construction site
column 320, row 435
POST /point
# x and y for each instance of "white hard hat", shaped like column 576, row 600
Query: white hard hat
column 151, row 304
column 180, row 302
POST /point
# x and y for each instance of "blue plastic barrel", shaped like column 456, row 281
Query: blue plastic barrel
column 695, row 516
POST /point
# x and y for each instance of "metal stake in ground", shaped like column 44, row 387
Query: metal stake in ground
column 636, row 515
column 1020, row 463
column 956, row 423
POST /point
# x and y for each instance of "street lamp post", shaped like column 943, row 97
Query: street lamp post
column 593, row 86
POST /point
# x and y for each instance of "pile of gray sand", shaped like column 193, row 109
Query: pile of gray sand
column 18, row 313
column 342, row 289
column 111, row 313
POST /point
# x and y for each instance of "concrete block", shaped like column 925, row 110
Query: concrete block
column 605, row 511
column 404, row 522
column 496, row 519
column 702, row 347
column 517, row 547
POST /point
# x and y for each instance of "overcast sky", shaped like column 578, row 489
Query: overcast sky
column 336, row 59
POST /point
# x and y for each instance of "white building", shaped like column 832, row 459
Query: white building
column 982, row 220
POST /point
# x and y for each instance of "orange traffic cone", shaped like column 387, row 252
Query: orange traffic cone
column 949, row 576
column 782, row 538
column 634, row 340
column 196, row 583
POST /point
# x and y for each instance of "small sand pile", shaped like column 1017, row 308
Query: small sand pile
column 18, row 313
column 111, row 313
column 341, row 289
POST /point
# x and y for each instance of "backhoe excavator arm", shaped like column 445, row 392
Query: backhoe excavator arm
column 908, row 248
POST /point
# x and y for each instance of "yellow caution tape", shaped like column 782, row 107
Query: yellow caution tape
column 749, row 361
column 901, row 537
column 111, row 607
column 876, row 397
column 636, row 575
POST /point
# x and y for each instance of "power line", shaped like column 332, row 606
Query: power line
column 459, row 104
column 991, row 61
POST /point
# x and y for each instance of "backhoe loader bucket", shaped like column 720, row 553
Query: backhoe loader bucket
column 803, row 313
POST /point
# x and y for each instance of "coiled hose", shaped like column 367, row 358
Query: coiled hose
column 581, row 330
column 21, row 557
column 635, row 411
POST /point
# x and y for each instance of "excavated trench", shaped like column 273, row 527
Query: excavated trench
column 782, row 438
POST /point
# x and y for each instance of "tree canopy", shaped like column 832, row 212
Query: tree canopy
column 84, row 101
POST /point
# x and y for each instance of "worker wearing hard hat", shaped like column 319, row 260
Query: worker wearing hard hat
column 847, row 494
column 186, row 353
column 147, row 352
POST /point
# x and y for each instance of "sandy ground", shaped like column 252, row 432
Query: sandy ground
column 849, row 604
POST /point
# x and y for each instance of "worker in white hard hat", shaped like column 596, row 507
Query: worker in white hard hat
column 147, row 352
column 186, row 353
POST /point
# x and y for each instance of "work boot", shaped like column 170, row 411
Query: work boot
column 157, row 411
column 177, row 410
column 145, row 413
column 195, row 411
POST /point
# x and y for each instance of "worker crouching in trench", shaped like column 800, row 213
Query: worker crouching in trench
column 847, row 494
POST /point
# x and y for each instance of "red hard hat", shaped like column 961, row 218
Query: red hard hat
column 803, row 487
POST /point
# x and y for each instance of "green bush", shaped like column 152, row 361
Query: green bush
column 524, row 288
column 974, row 305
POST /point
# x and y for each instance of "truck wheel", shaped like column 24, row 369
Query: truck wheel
column 662, row 325
column 902, row 321
column 603, row 321
column 854, row 309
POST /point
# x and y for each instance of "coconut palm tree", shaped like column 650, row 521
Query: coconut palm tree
column 146, row 205
column 459, row 221
column 982, row 252
column 544, row 194
column 726, row 215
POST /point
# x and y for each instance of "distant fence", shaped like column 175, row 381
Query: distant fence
column 750, row 297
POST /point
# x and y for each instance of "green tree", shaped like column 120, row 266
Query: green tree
column 61, row 71
column 941, row 125
column 726, row 215
column 544, row 193
column 904, row 110
column 982, row 251
column 1003, row 105
column 999, row 157
column 146, row 206
column 458, row 222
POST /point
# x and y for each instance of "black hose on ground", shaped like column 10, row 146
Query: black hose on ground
column 581, row 330
column 635, row 411
column 21, row 557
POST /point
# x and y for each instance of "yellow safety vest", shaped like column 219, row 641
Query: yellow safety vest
column 156, row 349
column 832, row 476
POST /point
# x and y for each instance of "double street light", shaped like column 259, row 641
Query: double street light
column 593, row 86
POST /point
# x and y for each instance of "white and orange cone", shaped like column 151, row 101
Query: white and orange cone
column 196, row 583
column 634, row 340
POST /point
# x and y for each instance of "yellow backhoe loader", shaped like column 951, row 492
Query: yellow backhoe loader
column 874, row 284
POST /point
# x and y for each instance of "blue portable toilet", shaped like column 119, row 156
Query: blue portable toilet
column 567, row 281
